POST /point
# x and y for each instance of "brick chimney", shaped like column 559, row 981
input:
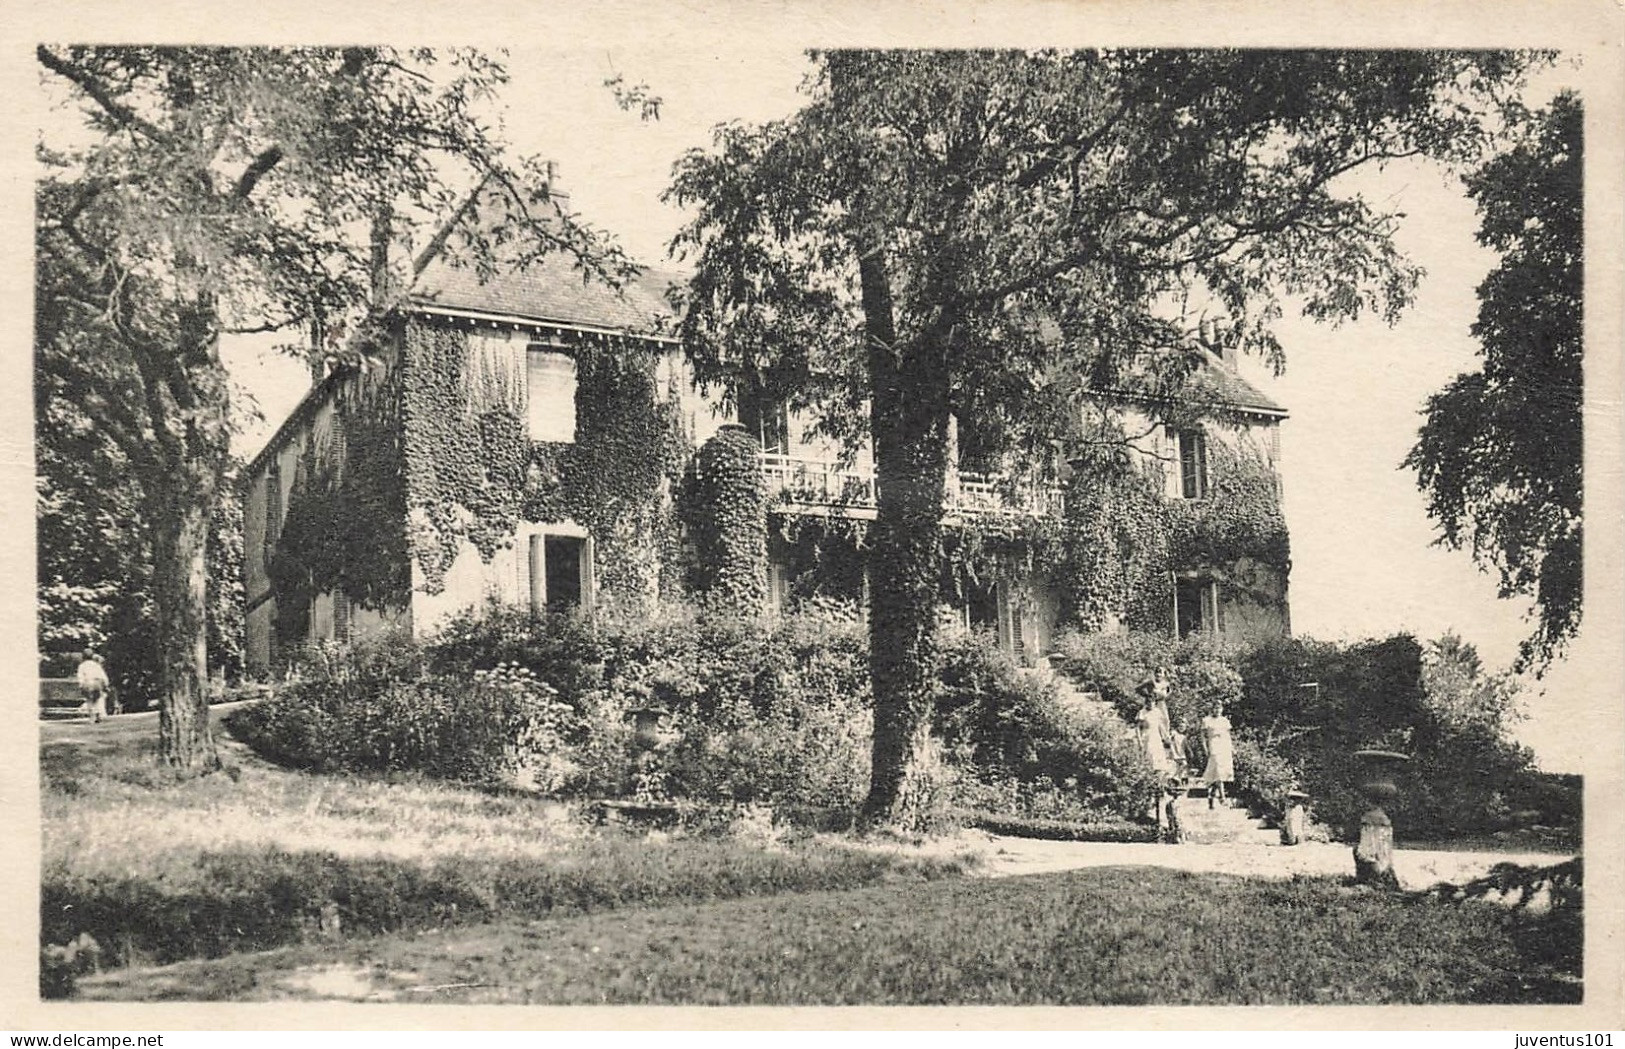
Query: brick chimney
column 555, row 187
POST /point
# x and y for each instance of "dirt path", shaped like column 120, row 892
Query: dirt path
column 1417, row 869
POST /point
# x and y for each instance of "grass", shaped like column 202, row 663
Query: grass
column 158, row 870
column 282, row 884
column 1107, row 936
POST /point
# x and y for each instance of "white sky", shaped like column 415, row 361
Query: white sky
column 1363, row 563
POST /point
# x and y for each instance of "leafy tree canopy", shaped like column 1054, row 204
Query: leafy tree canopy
column 1056, row 217
column 990, row 234
column 1499, row 454
column 206, row 190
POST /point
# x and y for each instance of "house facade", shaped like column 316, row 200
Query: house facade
column 532, row 439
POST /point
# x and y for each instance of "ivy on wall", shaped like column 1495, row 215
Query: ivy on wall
column 619, row 478
column 1241, row 518
column 473, row 474
column 1115, row 538
column 982, row 548
column 725, row 509
column 435, row 453
column 344, row 528
column 825, row 553
column 1124, row 542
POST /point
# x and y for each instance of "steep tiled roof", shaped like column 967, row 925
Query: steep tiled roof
column 551, row 290
column 1229, row 389
column 1212, row 385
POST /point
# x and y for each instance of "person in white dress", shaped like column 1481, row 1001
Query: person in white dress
column 1221, row 762
column 1156, row 737
column 93, row 685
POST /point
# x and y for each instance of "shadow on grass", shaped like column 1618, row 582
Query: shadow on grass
column 1107, row 936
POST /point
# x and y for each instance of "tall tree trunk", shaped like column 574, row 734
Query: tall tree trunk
column 190, row 405
column 909, row 422
column 180, row 538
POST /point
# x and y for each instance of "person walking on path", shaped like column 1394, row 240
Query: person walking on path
column 1221, row 762
column 93, row 686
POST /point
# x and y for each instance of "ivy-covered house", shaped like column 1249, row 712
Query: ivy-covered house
column 1161, row 528
column 537, row 439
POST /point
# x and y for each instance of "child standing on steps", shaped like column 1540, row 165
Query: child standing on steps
column 1156, row 738
column 1221, row 766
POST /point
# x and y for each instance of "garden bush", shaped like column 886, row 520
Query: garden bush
column 763, row 711
column 1263, row 775
column 367, row 707
column 1113, row 665
column 1321, row 702
column 777, row 713
column 1031, row 755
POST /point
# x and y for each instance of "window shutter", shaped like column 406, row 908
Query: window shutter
column 273, row 509
column 550, row 394
column 1201, row 464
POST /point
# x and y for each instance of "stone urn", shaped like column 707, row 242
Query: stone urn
column 646, row 802
column 1374, row 855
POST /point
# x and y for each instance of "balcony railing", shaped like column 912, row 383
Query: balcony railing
column 812, row 483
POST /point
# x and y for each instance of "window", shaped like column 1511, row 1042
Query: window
column 273, row 509
column 560, row 572
column 768, row 421
column 1192, row 464
column 1196, row 607
column 778, row 587
column 550, row 378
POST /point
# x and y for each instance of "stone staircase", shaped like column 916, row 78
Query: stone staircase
column 1227, row 822
column 1070, row 694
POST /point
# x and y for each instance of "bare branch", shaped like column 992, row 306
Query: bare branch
column 438, row 242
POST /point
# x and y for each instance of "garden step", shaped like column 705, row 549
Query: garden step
column 1225, row 822
column 1071, row 695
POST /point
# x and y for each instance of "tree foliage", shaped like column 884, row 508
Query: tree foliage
column 989, row 234
column 207, row 190
column 94, row 560
column 1500, row 452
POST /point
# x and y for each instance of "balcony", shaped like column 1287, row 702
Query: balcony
column 818, row 487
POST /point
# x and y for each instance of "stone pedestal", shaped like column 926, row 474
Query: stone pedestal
column 1374, row 855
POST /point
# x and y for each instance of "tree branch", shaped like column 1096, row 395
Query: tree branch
column 100, row 94
column 437, row 243
column 256, row 170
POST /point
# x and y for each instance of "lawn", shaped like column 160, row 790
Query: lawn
column 277, row 884
column 158, row 870
column 1111, row 936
